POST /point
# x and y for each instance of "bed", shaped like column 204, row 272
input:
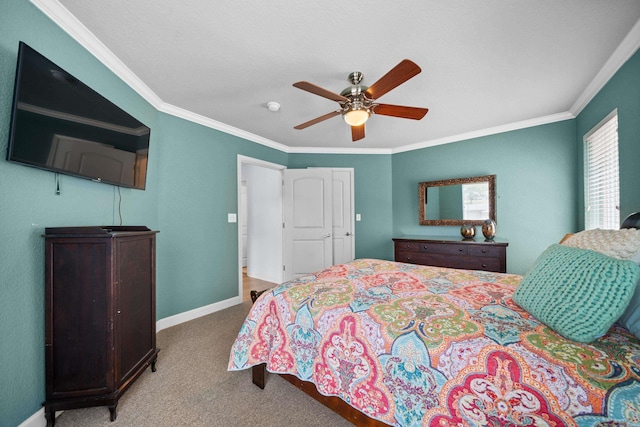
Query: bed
column 383, row 342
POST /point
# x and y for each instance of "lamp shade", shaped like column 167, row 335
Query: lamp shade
column 356, row 117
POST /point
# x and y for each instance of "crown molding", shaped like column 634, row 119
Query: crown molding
column 489, row 131
column 338, row 150
column 623, row 52
column 72, row 26
column 214, row 124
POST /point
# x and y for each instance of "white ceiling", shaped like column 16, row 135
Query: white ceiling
column 487, row 66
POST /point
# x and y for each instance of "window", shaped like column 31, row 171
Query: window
column 601, row 177
column 475, row 201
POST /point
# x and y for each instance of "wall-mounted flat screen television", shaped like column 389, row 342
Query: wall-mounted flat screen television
column 60, row 124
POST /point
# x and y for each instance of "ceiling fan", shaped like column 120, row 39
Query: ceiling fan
column 358, row 102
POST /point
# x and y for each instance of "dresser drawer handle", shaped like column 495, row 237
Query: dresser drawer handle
column 484, row 251
column 460, row 249
column 484, row 265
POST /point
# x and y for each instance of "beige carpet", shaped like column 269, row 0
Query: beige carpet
column 192, row 386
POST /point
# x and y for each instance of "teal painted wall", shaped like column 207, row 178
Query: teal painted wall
column 28, row 204
column 535, row 172
column 197, row 248
column 622, row 91
column 191, row 187
column 372, row 187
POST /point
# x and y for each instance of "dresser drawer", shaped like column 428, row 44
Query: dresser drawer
column 484, row 263
column 444, row 248
column 408, row 246
column 483, row 251
column 410, row 257
column 436, row 260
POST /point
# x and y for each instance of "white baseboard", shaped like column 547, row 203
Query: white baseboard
column 38, row 419
column 174, row 320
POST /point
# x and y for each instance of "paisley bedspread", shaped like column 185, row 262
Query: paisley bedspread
column 412, row 345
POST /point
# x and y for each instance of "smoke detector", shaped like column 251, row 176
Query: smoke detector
column 273, row 106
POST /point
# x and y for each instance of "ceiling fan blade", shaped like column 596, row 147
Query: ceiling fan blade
column 399, row 74
column 357, row 132
column 317, row 120
column 317, row 90
column 401, row 111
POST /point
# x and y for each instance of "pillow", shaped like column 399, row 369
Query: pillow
column 578, row 293
column 621, row 244
column 630, row 319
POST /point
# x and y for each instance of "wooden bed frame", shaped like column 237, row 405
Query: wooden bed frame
column 339, row 406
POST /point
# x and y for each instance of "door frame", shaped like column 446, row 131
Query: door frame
column 245, row 160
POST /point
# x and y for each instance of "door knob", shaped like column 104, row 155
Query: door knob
column 326, row 236
column 348, row 234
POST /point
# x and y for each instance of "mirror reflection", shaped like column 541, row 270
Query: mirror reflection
column 457, row 201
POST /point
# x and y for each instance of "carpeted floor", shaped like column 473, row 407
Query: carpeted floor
column 192, row 386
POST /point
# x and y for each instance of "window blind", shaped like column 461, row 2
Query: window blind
column 601, row 176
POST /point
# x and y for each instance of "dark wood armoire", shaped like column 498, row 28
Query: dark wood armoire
column 100, row 314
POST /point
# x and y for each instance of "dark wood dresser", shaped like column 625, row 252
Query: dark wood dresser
column 100, row 314
column 452, row 252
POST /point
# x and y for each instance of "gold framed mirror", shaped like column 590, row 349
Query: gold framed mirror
column 457, row 201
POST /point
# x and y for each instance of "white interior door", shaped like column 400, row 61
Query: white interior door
column 343, row 215
column 308, row 215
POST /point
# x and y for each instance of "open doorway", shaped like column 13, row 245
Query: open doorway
column 261, row 254
column 259, row 185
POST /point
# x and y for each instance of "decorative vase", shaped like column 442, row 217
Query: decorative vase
column 468, row 231
column 489, row 229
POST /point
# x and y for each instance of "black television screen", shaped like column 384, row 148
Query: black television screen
column 60, row 124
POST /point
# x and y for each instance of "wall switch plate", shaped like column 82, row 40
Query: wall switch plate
column 232, row 217
column 358, row 217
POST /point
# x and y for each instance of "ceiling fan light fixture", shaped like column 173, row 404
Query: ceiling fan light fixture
column 356, row 117
column 358, row 102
